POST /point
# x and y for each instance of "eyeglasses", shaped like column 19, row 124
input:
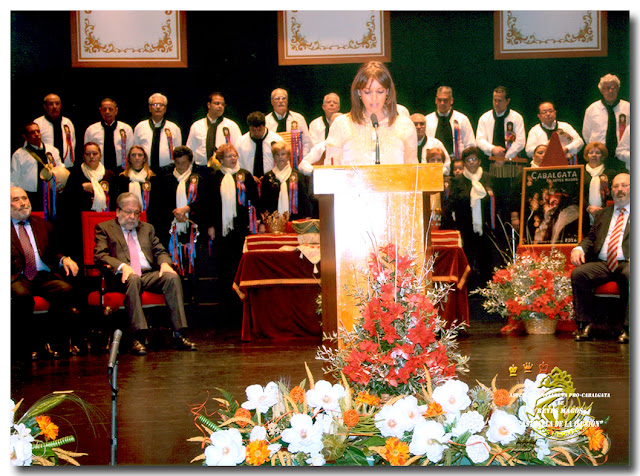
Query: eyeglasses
column 157, row 104
column 419, row 123
column 280, row 98
column 471, row 159
column 127, row 213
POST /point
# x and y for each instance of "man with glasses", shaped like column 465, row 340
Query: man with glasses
column 281, row 119
column 210, row 132
column 607, row 119
column 426, row 143
column 133, row 253
column 158, row 136
column 541, row 133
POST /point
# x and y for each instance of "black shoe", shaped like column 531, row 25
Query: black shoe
column 138, row 348
column 182, row 343
column 35, row 356
column 624, row 338
column 585, row 334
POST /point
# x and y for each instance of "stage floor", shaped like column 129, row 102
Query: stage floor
column 157, row 391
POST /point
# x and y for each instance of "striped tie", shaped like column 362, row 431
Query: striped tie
column 30, row 269
column 612, row 250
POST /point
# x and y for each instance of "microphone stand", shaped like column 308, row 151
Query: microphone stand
column 374, row 122
column 112, row 372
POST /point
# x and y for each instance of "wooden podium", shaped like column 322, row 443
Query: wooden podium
column 362, row 208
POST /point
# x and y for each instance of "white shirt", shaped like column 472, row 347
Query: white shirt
column 247, row 149
column 354, row 144
column 605, row 246
column 272, row 125
column 197, row 139
column 623, row 151
column 316, row 131
column 573, row 142
column 46, row 131
column 596, row 120
column 144, row 263
column 143, row 136
column 484, row 134
column 95, row 133
column 24, row 168
column 467, row 137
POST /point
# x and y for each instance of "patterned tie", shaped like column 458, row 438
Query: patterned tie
column 133, row 254
column 612, row 250
column 30, row 269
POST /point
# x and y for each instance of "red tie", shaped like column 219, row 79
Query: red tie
column 133, row 254
column 612, row 250
column 30, row 269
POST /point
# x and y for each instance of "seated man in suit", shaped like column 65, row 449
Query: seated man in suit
column 148, row 268
column 602, row 256
column 35, row 265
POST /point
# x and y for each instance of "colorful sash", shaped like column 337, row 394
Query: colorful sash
column 293, row 194
column 241, row 189
column 296, row 145
column 456, row 139
column 69, row 143
column 183, row 254
column 253, row 219
column 123, row 143
column 167, row 131
column 146, row 193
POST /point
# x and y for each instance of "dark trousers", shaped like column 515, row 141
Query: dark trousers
column 51, row 329
column 169, row 285
column 586, row 277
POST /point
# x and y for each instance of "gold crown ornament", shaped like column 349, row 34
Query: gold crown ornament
column 275, row 222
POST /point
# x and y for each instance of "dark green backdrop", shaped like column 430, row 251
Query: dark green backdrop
column 236, row 53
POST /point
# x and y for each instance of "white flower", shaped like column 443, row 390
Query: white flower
column 427, row 439
column 261, row 399
column 532, row 390
column 304, row 435
column 325, row 396
column 477, row 449
column 20, row 448
column 393, row 420
column 12, row 405
column 325, row 420
column 258, row 433
column 542, row 448
column 452, row 396
column 225, row 449
column 472, row 422
column 409, row 406
column 504, row 428
column 316, row 459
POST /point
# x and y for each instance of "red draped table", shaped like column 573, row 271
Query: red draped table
column 278, row 290
column 451, row 266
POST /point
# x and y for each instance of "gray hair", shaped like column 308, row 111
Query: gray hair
column 126, row 197
column 608, row 78
column 164, row 98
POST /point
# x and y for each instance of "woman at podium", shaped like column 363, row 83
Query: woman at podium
column 373, row 131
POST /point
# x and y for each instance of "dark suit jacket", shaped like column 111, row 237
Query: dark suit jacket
column 592, row 243
column 111, row 245
column 45, row 242
column 459, row 202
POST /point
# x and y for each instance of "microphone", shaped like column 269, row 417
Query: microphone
column 374, row 122
column 115, row 344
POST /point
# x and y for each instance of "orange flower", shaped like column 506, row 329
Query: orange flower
column 501, row 397
column 297, row 394
column 433, row 409
column 47, row 427
column 364, row 397
column 257, row 453
column 244, row 413
column 396, row 451
column 595, row 436
column 351, row 418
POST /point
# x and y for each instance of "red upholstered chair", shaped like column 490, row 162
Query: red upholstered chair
column 109, row 301
column 607, row 290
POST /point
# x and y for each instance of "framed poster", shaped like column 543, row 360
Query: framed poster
column 328, row 37
column 551, row 209
column 549, row 34
column 128, row 39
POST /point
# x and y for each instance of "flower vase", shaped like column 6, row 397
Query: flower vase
column 540, row 324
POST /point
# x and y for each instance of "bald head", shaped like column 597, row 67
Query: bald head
column 280, row 101
column 421, row 124
column 621, row 189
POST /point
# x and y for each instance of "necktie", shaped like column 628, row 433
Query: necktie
column 611, row 139
column 109, row 149
column 155, row 145
column 282, row 123
column 30, row 269
column 133, row 254
column 420, row 147
column 612, row 250
column 211, row 137
column 57, row 135
column 498, row 129
column 444, row 133
column 258, row 163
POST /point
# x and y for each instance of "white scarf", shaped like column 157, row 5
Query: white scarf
column 478, row 192
column 135, row 179
column 228, row 196
column 533, row 165
column 181, row 197
column 94, row 176
column 283, row 198
column 594, row 186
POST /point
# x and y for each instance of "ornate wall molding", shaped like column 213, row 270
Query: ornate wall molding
column 126, row 39
column 549, row 34
column 325, row 37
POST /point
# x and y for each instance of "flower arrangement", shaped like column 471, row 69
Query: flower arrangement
column 400, row 342
column 531, row 286
column 26, row 449
column 533, row 423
